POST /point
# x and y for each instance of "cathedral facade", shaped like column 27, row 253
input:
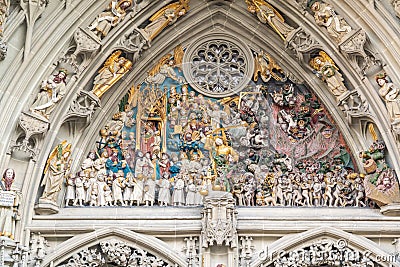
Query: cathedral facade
column 210, row 133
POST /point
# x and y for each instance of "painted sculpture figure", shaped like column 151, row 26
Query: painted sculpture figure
column 325, row 15
column 113, row 70
column 267, row 14
column 110, row 18
column 390, row 94
column 327, row 71
column 52, row 91
column 57, row 166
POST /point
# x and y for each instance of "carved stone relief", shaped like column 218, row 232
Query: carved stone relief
column 114, row 252
column 301, row 43
column 324, row 252
column 219, row 220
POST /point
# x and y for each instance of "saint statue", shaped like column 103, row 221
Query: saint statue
column 109, row 18
column 57, row 166
column 114, row 69
column 325, row 15
column 390, row 94
column 52, row 91
column 8, row 212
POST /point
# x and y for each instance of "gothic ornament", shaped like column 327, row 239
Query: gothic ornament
column 114, row 252
column 354, row 47
column 219, row 220
column 33, row 10
column 324, row 252
column 301, row 43
column 83, row 106
column 218, row 65
column 82, row 49
column 31, row 124
column 246, row 250
column 354, row 105
column 191, row 250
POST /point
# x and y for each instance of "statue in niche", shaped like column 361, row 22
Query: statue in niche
column 390, row 94
column 8, row 205
column 110, row 18
column 327, row 71
column 113, row 70
column 57, row 166
column 325, row 16
column 52, row 91
column 168, row 15
column 267, row 14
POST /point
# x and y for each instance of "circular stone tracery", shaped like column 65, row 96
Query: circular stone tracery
column 218, row 65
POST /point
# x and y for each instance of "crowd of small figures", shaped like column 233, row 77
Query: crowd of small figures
column 184, row 182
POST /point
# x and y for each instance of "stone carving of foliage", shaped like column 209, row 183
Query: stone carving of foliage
column 325, row 252
column 114, row 252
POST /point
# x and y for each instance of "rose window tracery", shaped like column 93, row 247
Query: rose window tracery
column 218, row 67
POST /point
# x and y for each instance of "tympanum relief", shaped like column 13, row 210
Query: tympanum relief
column 272, row 143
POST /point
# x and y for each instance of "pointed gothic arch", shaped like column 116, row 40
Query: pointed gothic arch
column 336, row 239
column 126, row 238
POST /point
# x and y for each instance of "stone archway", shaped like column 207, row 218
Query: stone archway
column 323, row 246
column 113, row 246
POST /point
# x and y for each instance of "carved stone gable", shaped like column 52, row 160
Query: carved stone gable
column 219, row 220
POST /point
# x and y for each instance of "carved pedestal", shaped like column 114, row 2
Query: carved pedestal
column 354, row 47
column 46, row 207
column 31, row 124
column 219, row 235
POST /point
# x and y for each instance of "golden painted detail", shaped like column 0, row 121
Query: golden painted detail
column 164, row 17
column 113, row 70
column 268, row 14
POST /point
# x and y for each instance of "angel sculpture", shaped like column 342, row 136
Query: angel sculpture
column 267, row 14
column 57, row 166
column 326, row 70
column 266, row 67
column 109, row 18
column 165, row 68
column 166, row 16
column 114, row 69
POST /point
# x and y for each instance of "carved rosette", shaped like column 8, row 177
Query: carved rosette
column 114, row 252
column 218, row 65
column 219, row 220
